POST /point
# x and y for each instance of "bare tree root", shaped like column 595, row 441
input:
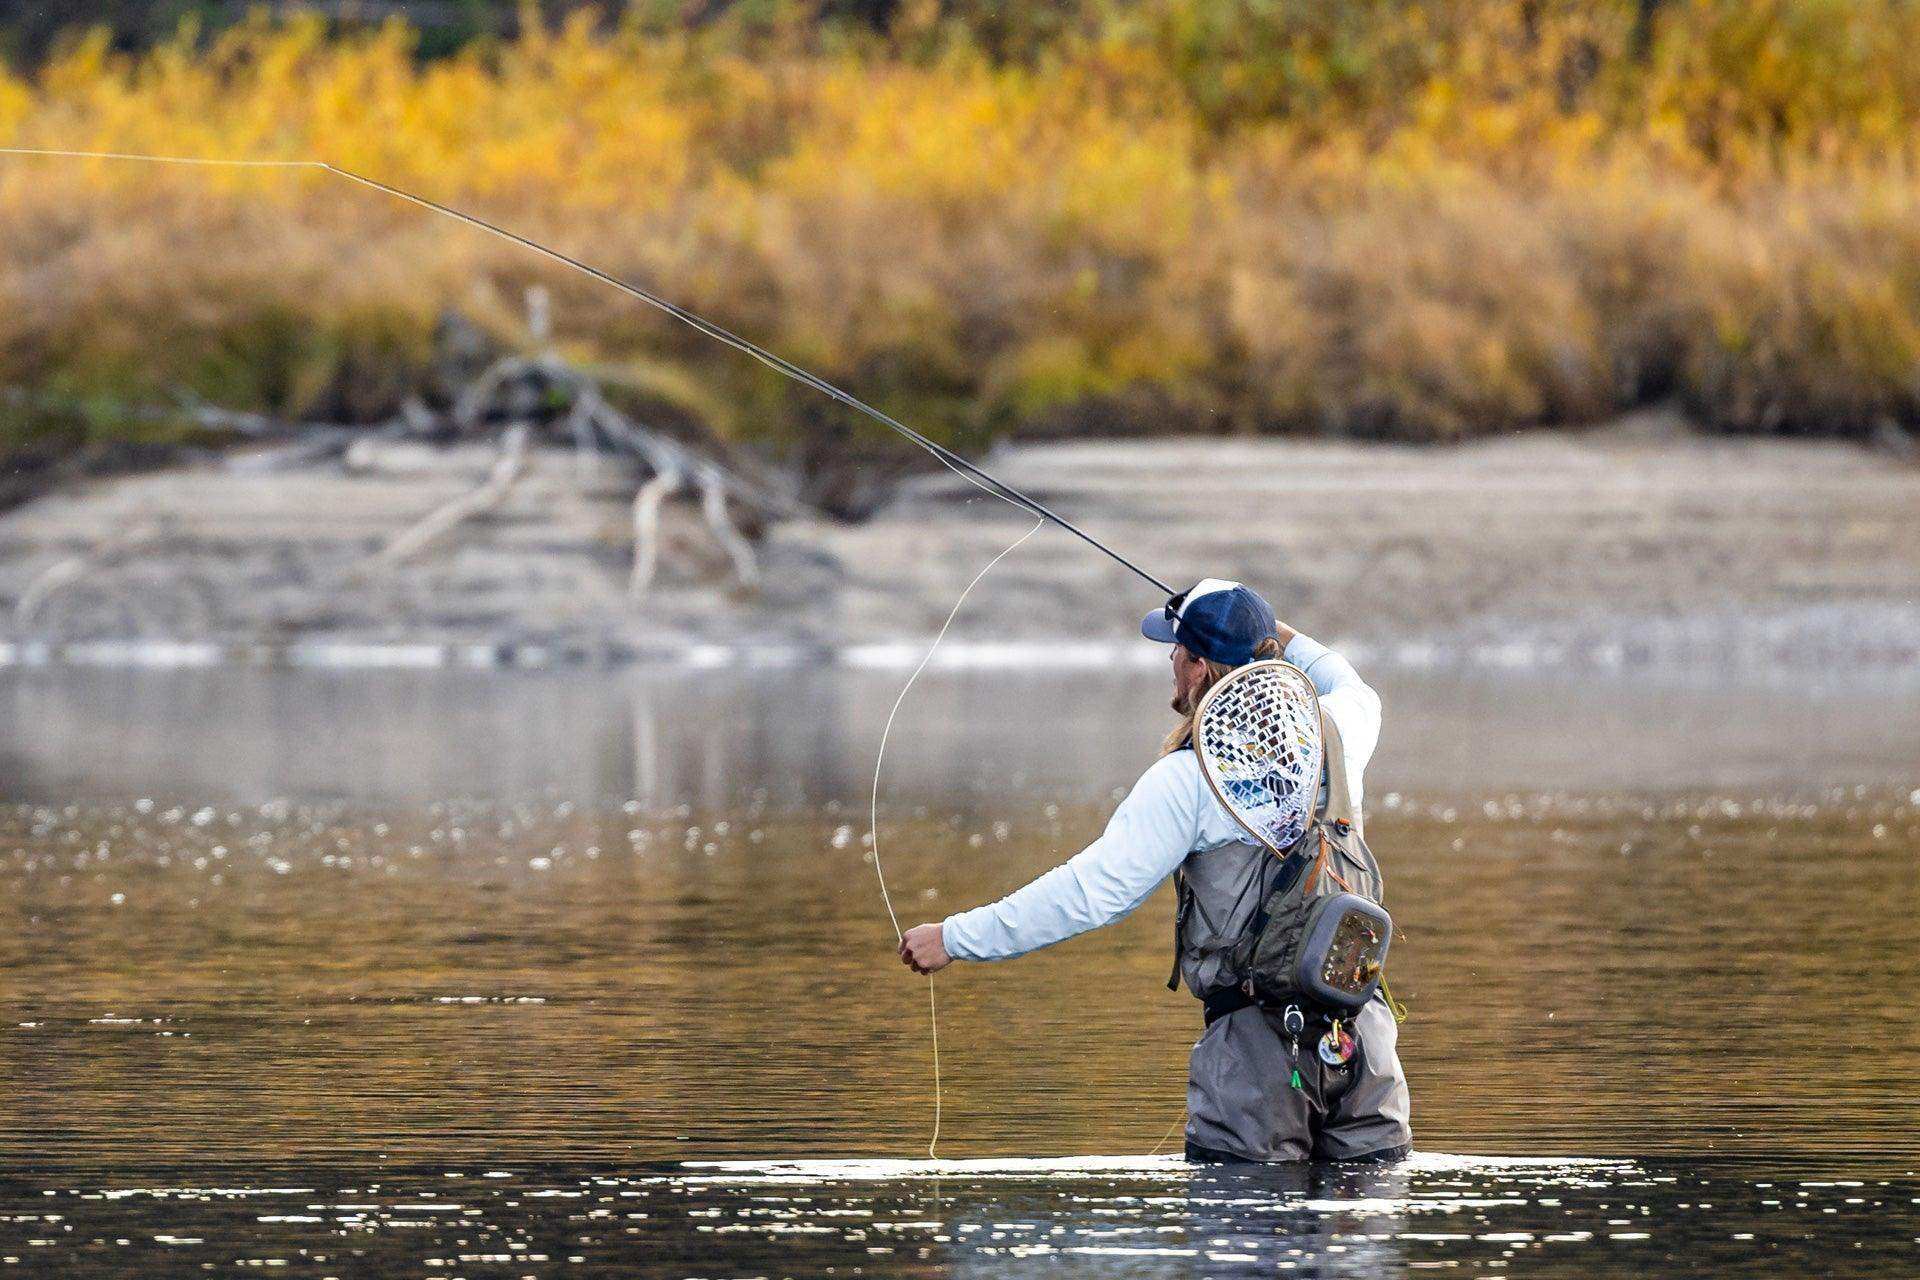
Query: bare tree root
column 75, row 569
column 713, row 505
column 595, row 426
column 646, row 530
column 436, row 524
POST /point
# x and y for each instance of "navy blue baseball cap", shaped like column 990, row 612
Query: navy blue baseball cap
column 1214, row 619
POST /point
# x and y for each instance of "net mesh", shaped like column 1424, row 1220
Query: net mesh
column 1259, row 740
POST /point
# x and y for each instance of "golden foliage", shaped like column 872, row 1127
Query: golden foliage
column 1395, row 219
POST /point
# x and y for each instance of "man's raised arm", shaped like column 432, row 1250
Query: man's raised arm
column 1347, row 699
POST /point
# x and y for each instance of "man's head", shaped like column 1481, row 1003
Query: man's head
column 1214, row 626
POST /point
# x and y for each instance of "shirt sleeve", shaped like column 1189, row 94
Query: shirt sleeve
column 1149, row 834
column 1351, row 703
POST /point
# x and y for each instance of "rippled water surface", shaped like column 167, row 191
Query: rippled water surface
column 436, row 974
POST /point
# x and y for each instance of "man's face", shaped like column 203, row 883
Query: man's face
column 1188, row 672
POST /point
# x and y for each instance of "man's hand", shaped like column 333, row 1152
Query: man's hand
column 924, row 950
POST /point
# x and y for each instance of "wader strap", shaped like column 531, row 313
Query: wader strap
column 1339, row 805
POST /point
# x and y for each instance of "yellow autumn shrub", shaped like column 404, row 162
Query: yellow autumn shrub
column 1407, row 220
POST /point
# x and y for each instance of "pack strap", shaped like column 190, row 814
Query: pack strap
column 1179, row 927
column 1221, row 1003
column 1233, row 999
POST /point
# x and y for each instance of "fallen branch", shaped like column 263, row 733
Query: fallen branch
column 507, row 470
column 66, row 573
column 320, row 444
column 646, row 530
column 594, row 426
column 254, row 426
column 713, row 505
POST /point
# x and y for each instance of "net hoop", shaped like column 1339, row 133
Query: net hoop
column 1259, row 716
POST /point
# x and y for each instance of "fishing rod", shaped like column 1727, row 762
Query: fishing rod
column 966, row 470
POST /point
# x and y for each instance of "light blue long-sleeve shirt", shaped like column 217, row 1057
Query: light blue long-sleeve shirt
column 1169, row 813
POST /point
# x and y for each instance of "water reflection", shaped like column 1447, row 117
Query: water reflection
column 804, row 736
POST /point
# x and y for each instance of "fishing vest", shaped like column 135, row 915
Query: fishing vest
column 1220, row 939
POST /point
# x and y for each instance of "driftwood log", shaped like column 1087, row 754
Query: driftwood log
column 520, row 401
column 513, row 385
column 76, row 569
column 437, row 523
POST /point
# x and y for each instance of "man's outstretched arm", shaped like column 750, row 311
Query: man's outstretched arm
column 1148, row 835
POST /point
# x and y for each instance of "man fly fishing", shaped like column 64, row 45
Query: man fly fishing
column 1280, row 960
column 1278, row 936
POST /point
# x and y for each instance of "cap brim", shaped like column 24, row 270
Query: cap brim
column 1155, row 626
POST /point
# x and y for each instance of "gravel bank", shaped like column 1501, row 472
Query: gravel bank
column 1640, row 542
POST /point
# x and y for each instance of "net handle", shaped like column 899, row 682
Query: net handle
column 1199, row 737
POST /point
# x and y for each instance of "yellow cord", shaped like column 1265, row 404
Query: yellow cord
column 1394, row 1007
column 1168, row 1134
column 873, row 817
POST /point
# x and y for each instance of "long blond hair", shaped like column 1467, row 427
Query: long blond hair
column 1181, row 735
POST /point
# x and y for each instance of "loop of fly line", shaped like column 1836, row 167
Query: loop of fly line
column 952, row 461
column 1168, row 1134
column 873, row 811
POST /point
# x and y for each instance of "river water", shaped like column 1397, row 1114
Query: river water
column 446, row 973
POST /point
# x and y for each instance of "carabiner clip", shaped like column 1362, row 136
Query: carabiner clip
column 1294, row 1021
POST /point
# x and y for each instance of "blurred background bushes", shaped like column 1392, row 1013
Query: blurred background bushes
column 1380, row 218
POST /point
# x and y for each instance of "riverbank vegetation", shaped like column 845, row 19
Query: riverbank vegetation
column 1414, row 221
